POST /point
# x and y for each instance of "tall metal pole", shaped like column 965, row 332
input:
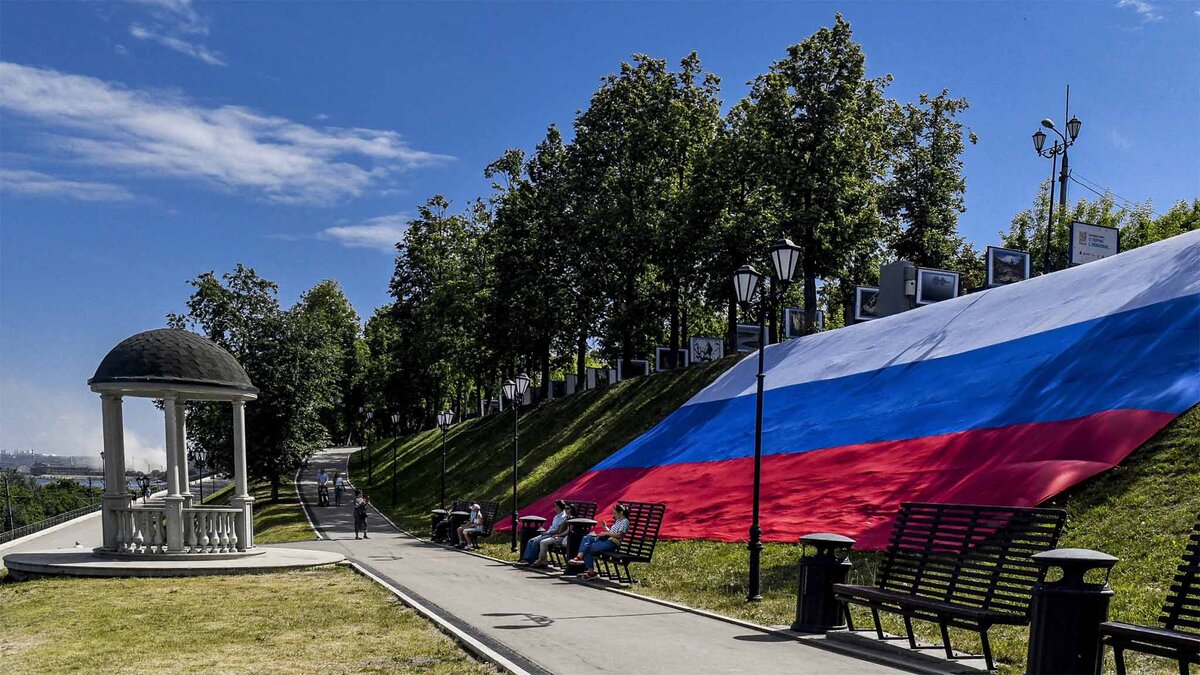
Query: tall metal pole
column 1050, row 218
column 1062, row 180
column 516, row 434
column 395, row 496
column 755, row 545
column 442, row 503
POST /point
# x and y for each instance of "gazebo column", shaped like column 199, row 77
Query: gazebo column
column 181, row 459
column 115, row 495
column 241, row 497
column 173, row 500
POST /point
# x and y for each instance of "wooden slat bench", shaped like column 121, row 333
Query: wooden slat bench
column 637, row 545
column 487, row 512
column 1179, row 636
column 558, row 552
column 959, row 566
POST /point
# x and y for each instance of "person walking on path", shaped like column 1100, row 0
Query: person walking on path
column 322, row 488
column 339, row 486
column 361, row 502
column 535, row 550
column 608, row 540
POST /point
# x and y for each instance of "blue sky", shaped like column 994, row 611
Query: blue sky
column 142, row 143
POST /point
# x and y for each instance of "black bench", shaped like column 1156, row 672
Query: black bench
column 558, row 553
column 1179, row 636
column 487, row 514
column 959, row 566
column 637, row 544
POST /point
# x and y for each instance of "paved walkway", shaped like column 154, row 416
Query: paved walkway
column 549, row 624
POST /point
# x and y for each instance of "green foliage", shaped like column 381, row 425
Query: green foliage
column 301, row 359
column 32, row 502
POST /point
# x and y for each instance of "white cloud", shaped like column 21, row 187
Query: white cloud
column 194, row 50
column 179, row 13
column 1147, row 10
column 67, row 422
column 37, row 184
column 1119, row 141
column 162, row 134
column 380, row 233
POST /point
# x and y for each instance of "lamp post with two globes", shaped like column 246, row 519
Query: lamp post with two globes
column 746, row 281
column 444, row 420
column 1052, row 153
column 514, row 390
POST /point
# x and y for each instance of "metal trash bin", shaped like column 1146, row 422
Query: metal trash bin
column 436, row 517
column 1064, row 632
column 826, row 564
column 531, row 526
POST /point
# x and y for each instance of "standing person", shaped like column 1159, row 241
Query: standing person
column 558, row 527
column 361, row 502
column 339, row 486
column 473, row 526
column 322, row 488
column 608, row 540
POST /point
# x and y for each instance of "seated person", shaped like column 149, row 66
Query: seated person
column 468, row 530
column 607, row 540
column 536, row 549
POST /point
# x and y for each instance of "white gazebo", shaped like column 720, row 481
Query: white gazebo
column 174, row 366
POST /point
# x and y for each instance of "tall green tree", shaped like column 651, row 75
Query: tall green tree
column 820, row 133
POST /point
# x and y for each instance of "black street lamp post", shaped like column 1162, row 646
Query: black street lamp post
column 197, row 457
column 515, row 390
column 370, row 459
column 784, row 255
column 395, row 426
column 1052, row 153
column 445, row 419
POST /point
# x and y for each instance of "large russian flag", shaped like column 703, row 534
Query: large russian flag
column 1008, row 396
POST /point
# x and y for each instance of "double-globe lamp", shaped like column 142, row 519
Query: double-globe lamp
column 444, row 420
column 1052, row 153
column 746, row 282
column 514, row 390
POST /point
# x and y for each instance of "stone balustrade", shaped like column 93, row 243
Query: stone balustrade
column 211, row 529
column 141, row 529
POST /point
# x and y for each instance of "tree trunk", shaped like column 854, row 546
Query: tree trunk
column 548, row 386
column 810, row 281
column 581, row 361
column 731, row 329
column 672, row 356
column 275, row 481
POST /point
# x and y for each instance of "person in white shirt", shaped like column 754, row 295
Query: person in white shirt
column 339, row 486
column 322, row 488
column 473, row 526
column 535, row 552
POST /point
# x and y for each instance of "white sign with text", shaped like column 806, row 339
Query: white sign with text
column 1093, row 242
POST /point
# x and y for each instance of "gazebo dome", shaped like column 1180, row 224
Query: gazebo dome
column 170, row 359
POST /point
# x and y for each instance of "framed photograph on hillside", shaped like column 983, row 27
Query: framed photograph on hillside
column 747, row 337
column 632, row 368
column 663, row 354
column 936, row 285
column 866, row 303
column 1005, row 266
column 793, row 322
column 706, row 349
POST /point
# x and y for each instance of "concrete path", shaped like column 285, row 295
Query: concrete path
column 549, row 624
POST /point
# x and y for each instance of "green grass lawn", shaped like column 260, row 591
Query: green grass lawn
column 559, row 440
column 275, row 522
column 327, row 620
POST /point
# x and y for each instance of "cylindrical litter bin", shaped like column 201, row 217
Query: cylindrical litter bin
column 436, row 517
column 531, row 526
column 579, row 529
column 824, row 561
column 1064, row 633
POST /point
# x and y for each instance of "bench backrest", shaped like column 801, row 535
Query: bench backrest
column 644, row 520
column 583, row 509
column 977, row 556
column 487, row 510
column 1182, row 609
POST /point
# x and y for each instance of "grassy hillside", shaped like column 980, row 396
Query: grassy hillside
column 559, row 440
column 1140, row 511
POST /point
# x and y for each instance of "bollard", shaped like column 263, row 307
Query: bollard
column 436, row 517
column 1064, row 633
column 530, row 527
column 817, row 610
